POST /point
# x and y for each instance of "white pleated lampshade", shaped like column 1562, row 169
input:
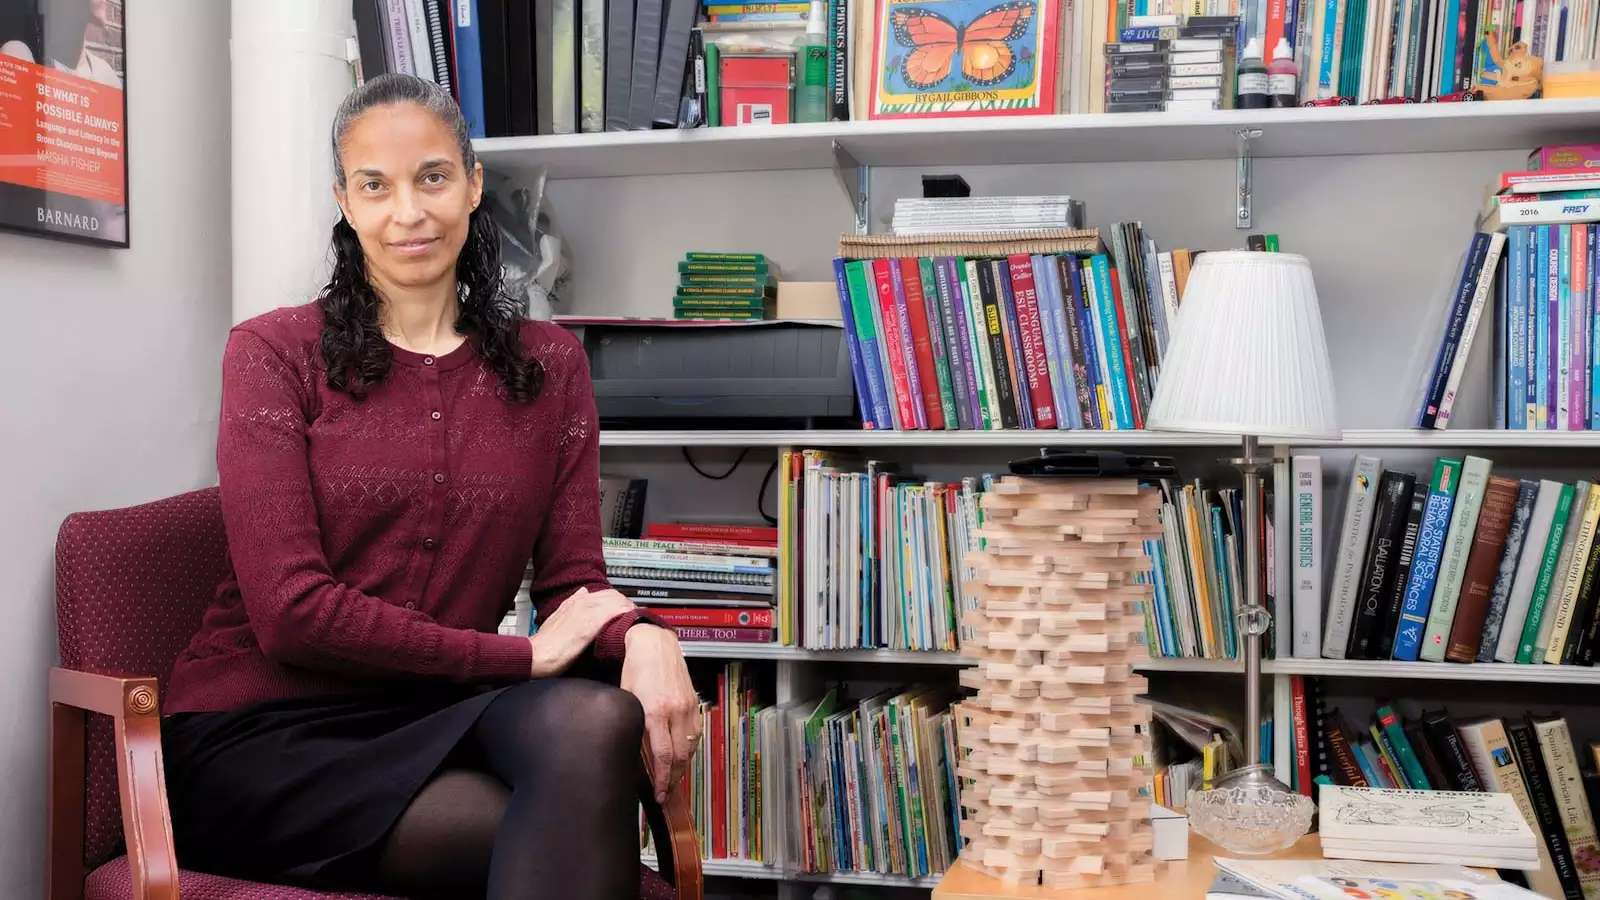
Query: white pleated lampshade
column 1247, row 355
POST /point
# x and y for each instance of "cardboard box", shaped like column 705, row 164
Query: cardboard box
column 1171, row 833
column 808, row 300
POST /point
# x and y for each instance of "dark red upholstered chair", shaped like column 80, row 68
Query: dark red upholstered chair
column 131, row 585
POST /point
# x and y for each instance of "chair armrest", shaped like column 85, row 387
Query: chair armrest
column 134, row 708
column 672, row 825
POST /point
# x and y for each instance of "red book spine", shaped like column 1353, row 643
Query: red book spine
column 891, row 344
column 724, row 635
column 1302, row 738
column 701, row 617
column 1274, row 30
column 921, row 341
column 1033, row 352
column 1127, row 352
column 724, row 534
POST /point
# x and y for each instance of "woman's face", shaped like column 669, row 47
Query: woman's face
column 407, row 194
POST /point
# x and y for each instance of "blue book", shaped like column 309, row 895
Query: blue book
column 1366, row 758
column 1447, row 55
column 1012, row 332
column 469, row 64
column 949, row 283
column 1449, row 342
column 863, row 393
column 1516, row 328
column 1058, row 363
column 1091, row 357
column 1552, row 321
column 1541, row 364
column 1060, row 309
column 1594, row 328
column 1105, row 303
column 1501, row 317
column 1222, row 612
column 1425, row 560
column 1330, row 18
column 1162, row 614
column 858, row 298
column 1530, row 327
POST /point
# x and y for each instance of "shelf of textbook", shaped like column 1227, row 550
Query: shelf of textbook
column 733, row 650
column 1011, row 140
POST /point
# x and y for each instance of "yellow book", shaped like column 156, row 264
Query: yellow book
column 1197, row 565
column 786, row 546
column 1574, row 576
column 1208, row 763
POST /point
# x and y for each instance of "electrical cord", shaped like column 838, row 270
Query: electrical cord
column 704, row 474
column 761, row 494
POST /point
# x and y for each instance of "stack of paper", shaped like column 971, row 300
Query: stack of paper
column 1446, row 827
column 1299, row 879
column 984, row 215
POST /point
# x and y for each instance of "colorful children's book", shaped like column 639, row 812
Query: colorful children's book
column 936, row 58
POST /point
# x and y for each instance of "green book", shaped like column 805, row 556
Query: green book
column 980, row 349
column 1380, row 743
column 1404, row 753
column 695, row 256
column 730, row 293
column 713, row 84
column 1453, row 565
column 1547, row 574
column 734, row 280
column 755, row 313
column 936, row 332
column 1272, row 243
column 719, row 302
column 693, row 267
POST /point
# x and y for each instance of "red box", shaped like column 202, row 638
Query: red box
column 757, row 88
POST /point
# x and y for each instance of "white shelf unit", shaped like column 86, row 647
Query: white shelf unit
column 1345, row 185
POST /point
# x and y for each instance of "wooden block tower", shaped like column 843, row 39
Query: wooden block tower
column 1055, row 753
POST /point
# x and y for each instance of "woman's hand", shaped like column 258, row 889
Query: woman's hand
column 654, row 671
column 570, row 630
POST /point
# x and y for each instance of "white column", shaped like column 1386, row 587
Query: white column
column 290, row 68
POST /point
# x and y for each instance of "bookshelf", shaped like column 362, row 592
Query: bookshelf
column 1380, row 198
column 1031, row 140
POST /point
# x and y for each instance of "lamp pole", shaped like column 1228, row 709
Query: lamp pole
column 1254, row 619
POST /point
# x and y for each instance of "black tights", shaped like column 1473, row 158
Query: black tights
column 547, row 809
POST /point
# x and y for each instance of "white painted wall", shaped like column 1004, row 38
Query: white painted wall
column 111, row 360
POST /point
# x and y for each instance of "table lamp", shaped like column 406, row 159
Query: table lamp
column 1248, row 358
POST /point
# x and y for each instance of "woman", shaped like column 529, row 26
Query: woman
column 390, row 456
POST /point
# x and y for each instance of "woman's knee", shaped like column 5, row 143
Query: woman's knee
column 578, row 715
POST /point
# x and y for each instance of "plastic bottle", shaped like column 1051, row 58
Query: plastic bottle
column 1255, row 90
column 1283, row 77
column 811, row 54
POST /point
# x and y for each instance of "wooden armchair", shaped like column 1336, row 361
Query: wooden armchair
column 131, row 585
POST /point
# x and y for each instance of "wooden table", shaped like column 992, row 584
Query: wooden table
column 1182, row 880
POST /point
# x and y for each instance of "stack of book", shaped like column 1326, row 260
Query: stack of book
column 1197, row 573
column 1160, row 64
column 622, row 505
column 876, row 782
column 1048, row 341
column 871, row 557
column 706, row 587
column 733, row 784
column 984, row 215
column 725, row 286
column 1464, row 566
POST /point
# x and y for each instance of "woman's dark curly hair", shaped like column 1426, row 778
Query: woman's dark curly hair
column 354, row 351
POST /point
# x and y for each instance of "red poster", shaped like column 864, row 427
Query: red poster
column 63, row 116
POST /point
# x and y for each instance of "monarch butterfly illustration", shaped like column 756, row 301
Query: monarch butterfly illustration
column 984, row 43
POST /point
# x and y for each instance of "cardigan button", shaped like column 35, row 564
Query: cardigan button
column 435, row 415
column 410, row 605
column 438, row 478
column 427, row 360
column 428, row 543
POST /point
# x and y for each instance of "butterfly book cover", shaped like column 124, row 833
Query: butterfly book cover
column 937, row 58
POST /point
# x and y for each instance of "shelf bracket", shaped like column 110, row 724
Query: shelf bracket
column 856, row 180
column 1242, row 211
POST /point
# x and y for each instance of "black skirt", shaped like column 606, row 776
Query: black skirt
column 305, row 790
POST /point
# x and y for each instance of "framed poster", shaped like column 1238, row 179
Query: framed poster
column 936, row 58
column 63, row 120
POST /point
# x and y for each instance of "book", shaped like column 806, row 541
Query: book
column 1546, row 574
column 1569, row 541
column 1455, row 763
column 1307, row 555
column 1530, row 761
column 724, row 635
column 1453, row 827
column 1378, row 571
column 1572, row 806
column 1500, row 596
column 1354, row 538
column 1400, row 747
column 1495, row 764
column 714, row 617
column 1425, row 565
column 1528, row 565
column 1482, row 569
column 957, row 84
column 1555, row 640
column 1482, row 286
column 1434, row 385
column 1395, row 601
column 1452, row 567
